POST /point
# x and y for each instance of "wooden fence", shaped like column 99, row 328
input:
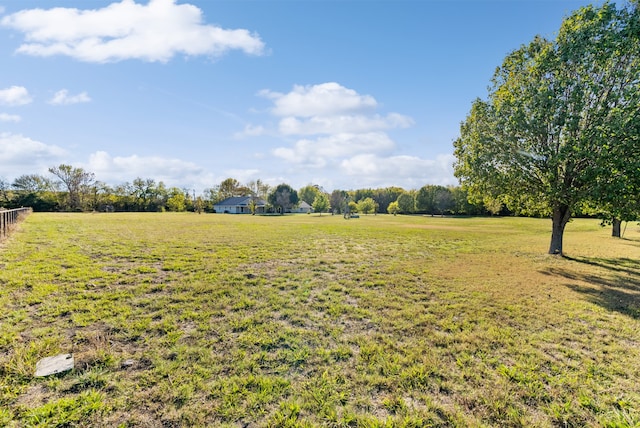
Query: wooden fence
column 8, row 218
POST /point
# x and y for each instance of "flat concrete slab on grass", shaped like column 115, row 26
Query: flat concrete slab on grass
column 53, row 365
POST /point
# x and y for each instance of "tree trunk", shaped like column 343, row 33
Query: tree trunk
column 560, row 218
column 615, row 229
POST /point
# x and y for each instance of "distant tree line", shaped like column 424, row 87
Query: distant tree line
column 69, row 188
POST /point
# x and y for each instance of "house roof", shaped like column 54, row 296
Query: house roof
column 241, row 201
column 304, row 204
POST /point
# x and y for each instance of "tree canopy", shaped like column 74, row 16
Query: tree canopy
column 76, row 180
column 406, row 203
column 284, row 197
column 321, row 203
column 309, row 193
column 558, row 116
column 366, row 205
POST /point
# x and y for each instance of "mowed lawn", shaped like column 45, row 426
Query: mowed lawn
column 304, row 321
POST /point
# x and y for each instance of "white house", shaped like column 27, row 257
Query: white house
column 239, row 205
column 303, row 207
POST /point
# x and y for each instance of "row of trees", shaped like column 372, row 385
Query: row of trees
column 559, row 132
column 74, row 189
column 70, row 188
column 430, row 199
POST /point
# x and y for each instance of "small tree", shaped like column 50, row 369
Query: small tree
column 393, row 208
column 253, row 205
column 366, row 205
column 320, row 203
column 177, row 200
column 198, row 205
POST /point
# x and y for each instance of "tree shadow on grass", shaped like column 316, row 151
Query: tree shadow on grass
column 615, row 287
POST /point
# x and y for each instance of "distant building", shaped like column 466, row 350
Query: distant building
column 302, row 207
column 239, row 205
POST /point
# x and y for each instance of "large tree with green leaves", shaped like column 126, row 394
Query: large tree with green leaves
column 406, row 203
column 231, row 187
column 433, row 199
column 309, row 193
column 283, row 197
column 339, row 201
column 620, row 181
column 78, row 183
column 385, row 196
column 259, row 188
column 555, row 118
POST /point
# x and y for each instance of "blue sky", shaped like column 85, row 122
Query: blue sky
column 346, row 94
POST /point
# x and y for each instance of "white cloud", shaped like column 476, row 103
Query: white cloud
column 62, row 97
column 4, row 117
column 405, row 171
column 326, row 99
column 344, row 141
column 323, row 151
column 243, row 175
column 20, row 149
column 15, row 96
column 153, row 32
column 342, row 124
column 171, row 171
column 251, row 131
column 21, row 155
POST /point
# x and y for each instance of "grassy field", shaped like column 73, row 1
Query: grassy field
column 303, row 321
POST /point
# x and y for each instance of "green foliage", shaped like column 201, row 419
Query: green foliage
column 433, row 199
column 309, row 193
column 147, row 195
column 73, row 411
column 393, row 208
column 284, row 197
column 385, row 196
column 366, row 206
column 177, row 201
column 78, row 184
column 199, row 205
column 320, row 203
column 231, row 187
column 253, row 206
column 338, row 201
column 406, row 203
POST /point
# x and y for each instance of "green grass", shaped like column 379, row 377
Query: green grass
column 303, row 321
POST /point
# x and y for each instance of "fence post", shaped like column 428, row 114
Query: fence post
column 11, row 217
